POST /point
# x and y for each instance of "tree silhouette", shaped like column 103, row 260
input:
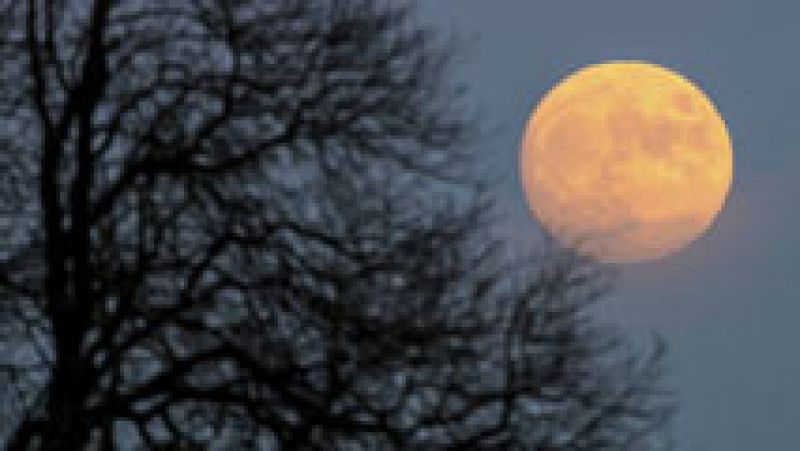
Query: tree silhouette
column 245, row 224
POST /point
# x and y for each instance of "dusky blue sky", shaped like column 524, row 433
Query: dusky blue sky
column 728, row 305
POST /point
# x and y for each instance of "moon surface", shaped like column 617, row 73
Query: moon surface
column 626, row 161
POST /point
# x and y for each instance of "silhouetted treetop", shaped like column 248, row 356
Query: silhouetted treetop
column 241, row 224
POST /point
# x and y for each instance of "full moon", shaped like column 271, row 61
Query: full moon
column 626, row 161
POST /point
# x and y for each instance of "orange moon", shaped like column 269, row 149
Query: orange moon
column 626, row 161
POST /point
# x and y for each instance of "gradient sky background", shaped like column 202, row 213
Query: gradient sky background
column 728, row 305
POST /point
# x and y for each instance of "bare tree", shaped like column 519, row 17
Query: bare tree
column 244, row 224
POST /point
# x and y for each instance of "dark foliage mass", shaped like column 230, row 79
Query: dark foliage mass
column 243, row 224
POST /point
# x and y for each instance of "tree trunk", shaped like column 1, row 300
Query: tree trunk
column 67, row 427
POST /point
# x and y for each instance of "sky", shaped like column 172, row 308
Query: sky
column 728, row 304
